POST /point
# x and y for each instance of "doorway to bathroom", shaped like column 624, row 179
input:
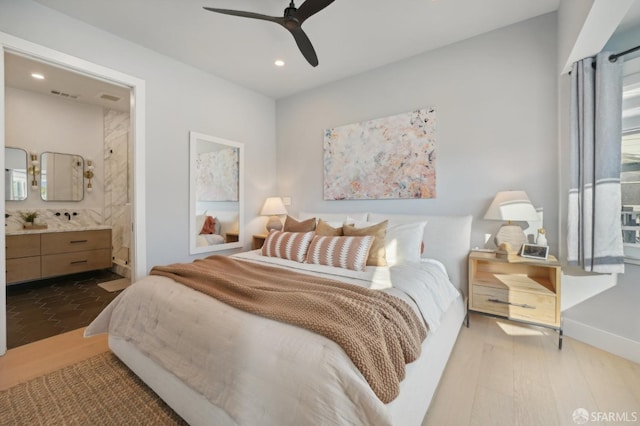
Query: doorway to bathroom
column 123, row 137
column 87, row 121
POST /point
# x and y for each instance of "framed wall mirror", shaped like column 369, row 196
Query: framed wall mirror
column 216, row 193
column 16, row 181
column 61, row 177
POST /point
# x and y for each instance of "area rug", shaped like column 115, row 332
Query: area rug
column 98, row 391
column 115, row 285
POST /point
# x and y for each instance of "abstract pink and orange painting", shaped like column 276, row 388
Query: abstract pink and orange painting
column 386, row 158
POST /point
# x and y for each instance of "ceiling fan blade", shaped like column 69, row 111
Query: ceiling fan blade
column 305, row 46
column 311, row 7
column 246, row 14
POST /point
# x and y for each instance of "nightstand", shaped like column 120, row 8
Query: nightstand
column 258, row 240
column 231, row 237
column 523, row 290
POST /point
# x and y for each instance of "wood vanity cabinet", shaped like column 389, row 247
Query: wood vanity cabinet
column 23, row 257
column 50, row 254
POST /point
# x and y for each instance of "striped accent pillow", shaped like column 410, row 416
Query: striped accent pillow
column 287, row 245
column 342, row 252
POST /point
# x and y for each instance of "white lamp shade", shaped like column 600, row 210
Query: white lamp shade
column 512, row 206
column 273, row 206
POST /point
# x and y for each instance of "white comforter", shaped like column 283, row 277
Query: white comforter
column 259, row 371
column 205, row 240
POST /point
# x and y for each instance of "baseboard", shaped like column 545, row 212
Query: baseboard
column 602, row 339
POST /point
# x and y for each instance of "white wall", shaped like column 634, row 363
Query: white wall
column 495, row 96
column 610, row 319
column 39, row 123
column 572, row 15
column 179, row 99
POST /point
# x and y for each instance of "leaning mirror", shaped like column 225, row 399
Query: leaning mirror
column 15, row 174
column 216, row 193
column 61, row 177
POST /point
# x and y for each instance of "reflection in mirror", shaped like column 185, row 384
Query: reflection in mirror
column 15, row 174
column 216, row 194
column 61, row 177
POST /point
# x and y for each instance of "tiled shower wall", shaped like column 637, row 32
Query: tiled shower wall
column 117, row 190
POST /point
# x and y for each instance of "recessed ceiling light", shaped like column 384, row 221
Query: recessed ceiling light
column 37, row 76
column 279, row 63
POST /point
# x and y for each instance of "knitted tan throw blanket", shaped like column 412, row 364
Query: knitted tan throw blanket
column 379, row 332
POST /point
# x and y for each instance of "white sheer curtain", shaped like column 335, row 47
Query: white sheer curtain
column 594, row 233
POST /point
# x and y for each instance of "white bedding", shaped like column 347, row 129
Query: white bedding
column 260, row 371
column 425, row 283
column 204, row 240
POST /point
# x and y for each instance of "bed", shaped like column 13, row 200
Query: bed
column 212, row 226
column 215, row 364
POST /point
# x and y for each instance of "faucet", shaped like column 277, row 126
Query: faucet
column 68, row 215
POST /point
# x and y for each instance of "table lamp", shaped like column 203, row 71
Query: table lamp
column 273, row 206
column 511, row 206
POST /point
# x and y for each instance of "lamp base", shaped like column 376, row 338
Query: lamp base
column 505, row 251
column 512, row 235
column 274, row 223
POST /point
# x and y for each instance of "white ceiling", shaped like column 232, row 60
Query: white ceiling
column 62, row 83
column 417, row 27
column 349, row 36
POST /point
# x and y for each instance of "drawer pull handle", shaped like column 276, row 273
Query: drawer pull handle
column 78, row 261
column 520, row 305
column 78, row 241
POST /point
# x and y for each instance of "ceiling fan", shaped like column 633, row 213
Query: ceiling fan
column 292, row 21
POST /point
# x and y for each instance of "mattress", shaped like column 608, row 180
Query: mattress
column 216, row 365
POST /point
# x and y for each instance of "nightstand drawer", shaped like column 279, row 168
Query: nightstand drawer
column 524, row 306
column 258, row 241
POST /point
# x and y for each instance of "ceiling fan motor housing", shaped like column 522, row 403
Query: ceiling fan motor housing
column 290, row 18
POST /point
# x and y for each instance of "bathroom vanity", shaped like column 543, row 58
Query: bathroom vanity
column 33, row 255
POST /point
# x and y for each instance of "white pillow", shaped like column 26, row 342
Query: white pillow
column 200, row 222
column 446, row 238
column 333, row 217
column 404, row 242
column 357, row 223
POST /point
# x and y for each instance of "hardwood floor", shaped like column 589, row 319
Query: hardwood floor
column 44, row 356
column 505, row 373
column 500, row 373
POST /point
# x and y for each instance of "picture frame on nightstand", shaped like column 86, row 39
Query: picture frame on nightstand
column 533, row 251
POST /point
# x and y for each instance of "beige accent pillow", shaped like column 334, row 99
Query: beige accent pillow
column 292, row 225
column 340, row 252
column 323, row 228
column 377, row 253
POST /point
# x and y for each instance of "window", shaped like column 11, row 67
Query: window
column 630, row 186
column 630, row 170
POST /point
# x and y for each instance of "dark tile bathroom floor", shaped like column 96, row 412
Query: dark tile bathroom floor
column 45, row 308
